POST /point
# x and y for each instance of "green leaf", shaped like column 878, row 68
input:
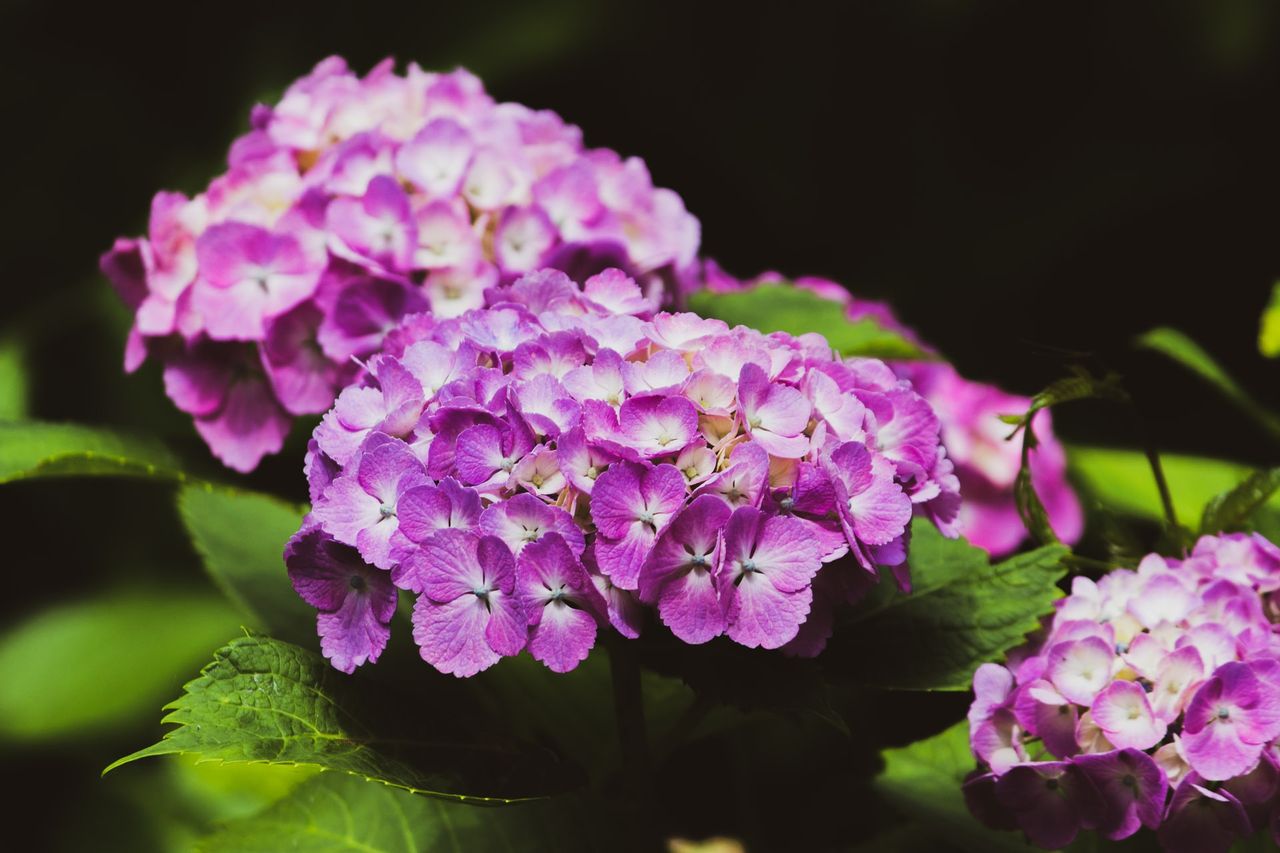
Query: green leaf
column 783, row 307
column 962, row 612
column 924, row 780
column 36, row 449
column 1081, row 385
column 333, row 813
column 1180, row 348
column 216, row 791
column 263, row 700
column 241, row 538
column 1232, row 510
column 105, row 663
column 1121, row 480
column 13, row 380
column 1269, row 332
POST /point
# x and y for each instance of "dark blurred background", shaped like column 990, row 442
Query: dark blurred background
column 1011, row 176
column 1016, row 178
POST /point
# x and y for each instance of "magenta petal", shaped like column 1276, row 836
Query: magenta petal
column 423, row 510
column 507, row 631
column 621, row 559
column 563, row 638
column 249, row 426
column 1202, row 821
column 760, row 614
column 356, row 601
column 690, row 606
column 1217, row 751
column 1053, row 722
column 1133, row 790
column 451, row 636
column 1051, row 801
column 1123, row 713
column 688, row 545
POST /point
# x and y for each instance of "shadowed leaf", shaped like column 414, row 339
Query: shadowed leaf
column 923, row 781
column 31, row 449
column 241, row 537
column 263, row 700
column 962, row 612
column 1180, row 348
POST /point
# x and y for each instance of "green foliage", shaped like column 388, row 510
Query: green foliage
column 1080, row 385
column 962, row 612
column 1232, row 510
column 1269, row 329
column 228, row 791
column 13, row 380
column 263, row 700
column 104, row 663
column 1186, row 352
column 783, row 307
column 31, row 449
column 1121, row 480
column 334, row 812
column 923, row 781
column 241, row 536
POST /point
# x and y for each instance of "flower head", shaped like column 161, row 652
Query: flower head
column 359, row 201
column 1162, row 687
column 533, row 484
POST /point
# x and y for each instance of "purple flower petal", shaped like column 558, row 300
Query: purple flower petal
column 356, row 602
column 556, row 595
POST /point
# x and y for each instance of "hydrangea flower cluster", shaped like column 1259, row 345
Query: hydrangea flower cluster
column 986, row 462
column 350, row 204
column 1153, row 701
column 566, row 457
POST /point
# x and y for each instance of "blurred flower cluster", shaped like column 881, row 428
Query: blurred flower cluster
column 569, row 455
column 1154, row 701
column 350, row 204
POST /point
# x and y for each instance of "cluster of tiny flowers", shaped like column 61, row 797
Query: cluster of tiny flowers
column 977, row 440
column 567, row 457
column 351, row 204
column 1154, row 701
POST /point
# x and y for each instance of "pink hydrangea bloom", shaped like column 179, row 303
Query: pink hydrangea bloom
column 1162, row 686
column 356, row 201
column 534, row 486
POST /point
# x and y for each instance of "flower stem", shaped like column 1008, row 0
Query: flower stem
column 628, row 705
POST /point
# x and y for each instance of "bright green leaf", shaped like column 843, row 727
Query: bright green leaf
column 1269, row 333
column 241, row 538
column 1180, row 348
column 333, row 813
column 923, row 781
column 13, row 380
column 783, row 307
column 1121, row 480
column 263, row 700
column 962, row 612
column 35, row 449
column 104, row 663
column 227, row 791
column 1232, row 510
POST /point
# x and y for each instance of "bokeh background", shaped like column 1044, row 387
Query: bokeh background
column 1019, row 180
